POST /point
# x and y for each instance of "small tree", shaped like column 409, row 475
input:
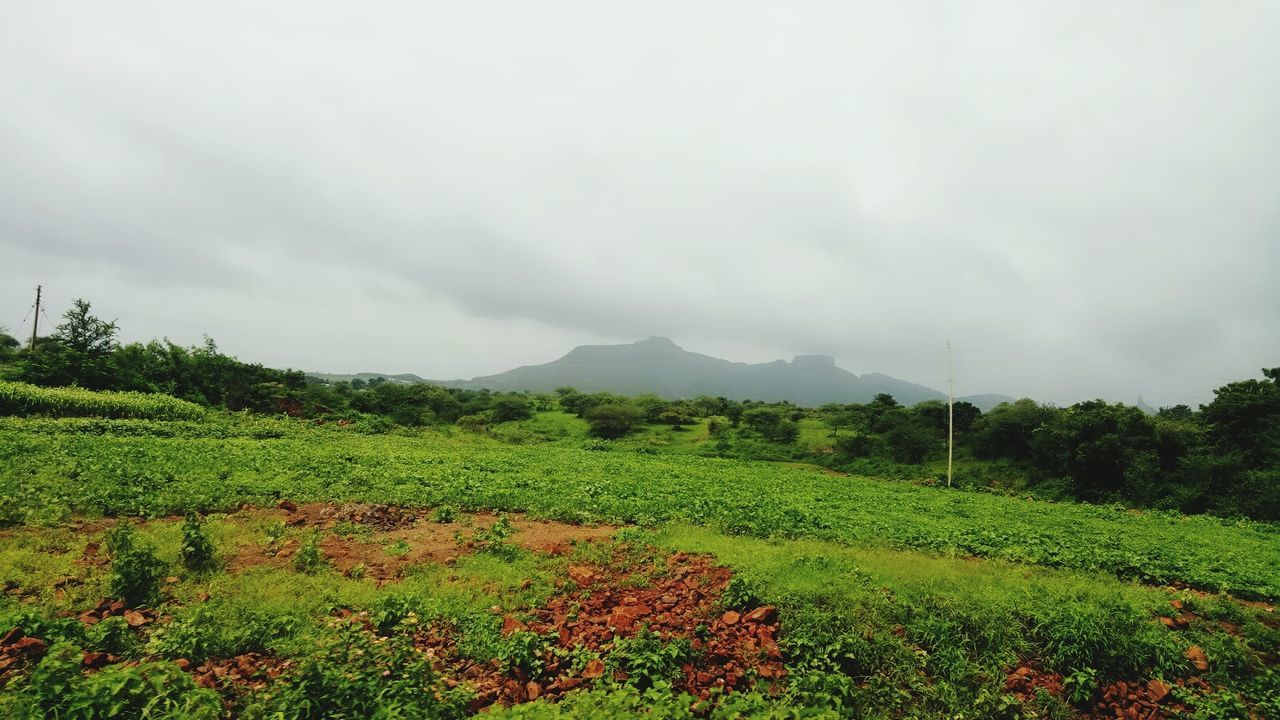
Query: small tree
column 613, row 420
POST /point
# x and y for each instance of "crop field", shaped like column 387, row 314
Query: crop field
column 231, row 566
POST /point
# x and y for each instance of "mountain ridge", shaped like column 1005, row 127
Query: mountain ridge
column 658, row 365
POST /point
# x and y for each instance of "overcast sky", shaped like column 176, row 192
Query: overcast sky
column 1083, row 197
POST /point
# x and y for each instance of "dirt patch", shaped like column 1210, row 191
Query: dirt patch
column 1029, row 679
column 380, row 541
column 1145, row 700
column 1149, row 700
column 601, row 606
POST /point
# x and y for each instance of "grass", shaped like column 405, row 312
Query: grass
column 45, row 474
column 868, row 631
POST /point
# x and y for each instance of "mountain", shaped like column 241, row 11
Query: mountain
column 407, row 378
column 659, row 366
column 986, row 401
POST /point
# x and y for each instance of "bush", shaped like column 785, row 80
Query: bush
column 647, row 659
column 309, row 559
column 356, row 674
column 613, row 420
column 24, row 399
column 135, row 570
column 197, row 550
column 57, row 688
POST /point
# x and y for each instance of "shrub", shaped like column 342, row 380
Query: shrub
column 647, row 659
column 309, row 559
column 24, row 399
column 356, row 674
column 57, row 688
column 197, row 550
column 135, row 569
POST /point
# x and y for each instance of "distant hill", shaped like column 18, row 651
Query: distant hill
column 401, row 377
column 659, row 366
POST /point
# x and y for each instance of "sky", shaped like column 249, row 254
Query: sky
column 1083, row 198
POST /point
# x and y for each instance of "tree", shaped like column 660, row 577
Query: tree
column 1007, row 431
column 8, row 345
column 1105, row 450
column 85, row 333
column 510, row 407
column 1245, row 418
column 613, row 420
column 77, row 353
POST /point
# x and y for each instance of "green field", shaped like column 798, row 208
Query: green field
column 895, row 599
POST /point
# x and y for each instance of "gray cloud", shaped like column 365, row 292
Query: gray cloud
column 1082, row 198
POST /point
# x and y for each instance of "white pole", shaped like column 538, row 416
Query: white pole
column 951, row 402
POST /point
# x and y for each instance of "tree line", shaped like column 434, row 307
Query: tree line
column 1222, row 458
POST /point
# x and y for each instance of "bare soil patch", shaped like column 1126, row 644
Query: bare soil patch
column 380, row 541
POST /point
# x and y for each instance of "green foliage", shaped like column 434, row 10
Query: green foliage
column 444, row 514
column 24, row 399
column 648, row 659
column 613, row 420
column 356, row 674
column 144, row 475
column 135, row 570
column 659, row 703
column 309, row 559
column 57, row 688
column 198, row 554
column 219, row 629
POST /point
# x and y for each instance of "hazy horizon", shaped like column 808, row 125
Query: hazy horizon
column 1081, row 198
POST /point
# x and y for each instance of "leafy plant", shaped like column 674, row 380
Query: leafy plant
column 57, row 688
column 135, row 570
column 356, row 674
column 648, row 659
column 198, row 554
column 310, row 559
column 1080, row 684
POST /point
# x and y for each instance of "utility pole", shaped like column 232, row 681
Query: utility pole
column 951, row 404
column 35, row 320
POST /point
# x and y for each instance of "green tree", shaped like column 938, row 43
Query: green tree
column 510, row 407
column 78, row 352
column 613, row 420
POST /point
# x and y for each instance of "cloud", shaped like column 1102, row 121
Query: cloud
column 1080, row 198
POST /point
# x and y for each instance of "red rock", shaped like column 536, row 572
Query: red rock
column 33, row 647
column 287, row 506
column 730, row 617
column 12, row 636
column 1168, row 622
column 1158, row 689
column 1197, row 657
column 511, row 625
column 135, row 618
column 182, row 663
column 94, row 660
column 582, row 575
column 1177, row 604
column 765, row 614
column 594, row 669
column 533, row 690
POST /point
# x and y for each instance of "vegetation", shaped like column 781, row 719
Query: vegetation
column 49, row 470
column 23, row 399
column 165, row 563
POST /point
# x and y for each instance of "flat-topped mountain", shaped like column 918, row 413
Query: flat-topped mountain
column 659, row 366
